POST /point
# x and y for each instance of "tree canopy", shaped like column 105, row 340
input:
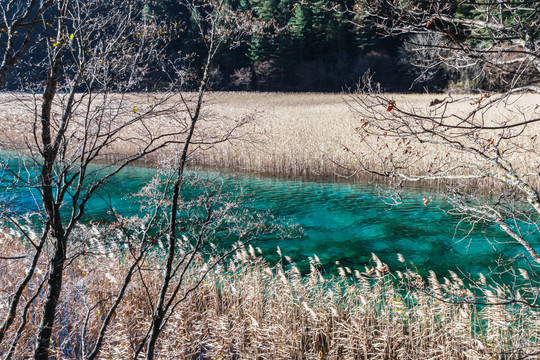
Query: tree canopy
column 320, row 45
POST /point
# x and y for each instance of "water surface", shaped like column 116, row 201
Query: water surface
column 341, row 222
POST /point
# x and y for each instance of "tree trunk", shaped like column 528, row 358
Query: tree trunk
column 52, row 208
column 53, row 294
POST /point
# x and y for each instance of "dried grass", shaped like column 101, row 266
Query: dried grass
column 290, row 134
column 316, row 134
column 252, row 311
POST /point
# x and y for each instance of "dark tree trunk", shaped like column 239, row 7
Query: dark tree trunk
column 50, row 152
column 53, row 294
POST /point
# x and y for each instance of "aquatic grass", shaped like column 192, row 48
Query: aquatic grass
column 247, row 309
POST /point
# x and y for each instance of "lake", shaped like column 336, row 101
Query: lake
column 341, row 222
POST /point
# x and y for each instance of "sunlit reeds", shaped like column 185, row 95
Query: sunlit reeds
column 321, row 134
column 247, row 309
column 288, row 134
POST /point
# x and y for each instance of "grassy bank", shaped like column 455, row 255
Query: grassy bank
column 288, row 134
column 248, row 310
column 317, row 134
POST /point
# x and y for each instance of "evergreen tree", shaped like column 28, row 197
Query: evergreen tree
column 261, row 46
column 299, row 22
column 244, row 6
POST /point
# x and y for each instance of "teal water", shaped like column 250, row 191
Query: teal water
column 341, row 222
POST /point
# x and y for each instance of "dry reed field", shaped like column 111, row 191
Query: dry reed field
column 316, row 134
column 249, row 310
column 289, row 134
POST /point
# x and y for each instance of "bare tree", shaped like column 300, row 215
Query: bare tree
column 74, row 122
column 499, row 39
column 218, row 26
column 17, row 26
column 470, row 141
column 77, row 119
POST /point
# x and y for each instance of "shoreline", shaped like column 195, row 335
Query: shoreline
column 357, row 179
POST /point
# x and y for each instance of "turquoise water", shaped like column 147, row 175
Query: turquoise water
column 340, row 222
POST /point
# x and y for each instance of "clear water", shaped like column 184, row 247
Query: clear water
column 340, row 222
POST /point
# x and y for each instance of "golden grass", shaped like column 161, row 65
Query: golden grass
column 253, row 311
column 289, row 134
column 306, row 134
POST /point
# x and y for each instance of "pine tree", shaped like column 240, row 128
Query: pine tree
column 244, row 6
column 299, row 22
column 267, row 9
column 262, row 47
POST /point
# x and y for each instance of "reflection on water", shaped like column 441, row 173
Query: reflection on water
column 341, row 222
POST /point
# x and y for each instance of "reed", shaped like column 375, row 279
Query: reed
column 287, row 134
column 316, row 134
column 247, row 309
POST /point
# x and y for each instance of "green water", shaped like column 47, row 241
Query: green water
column 340, row 222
